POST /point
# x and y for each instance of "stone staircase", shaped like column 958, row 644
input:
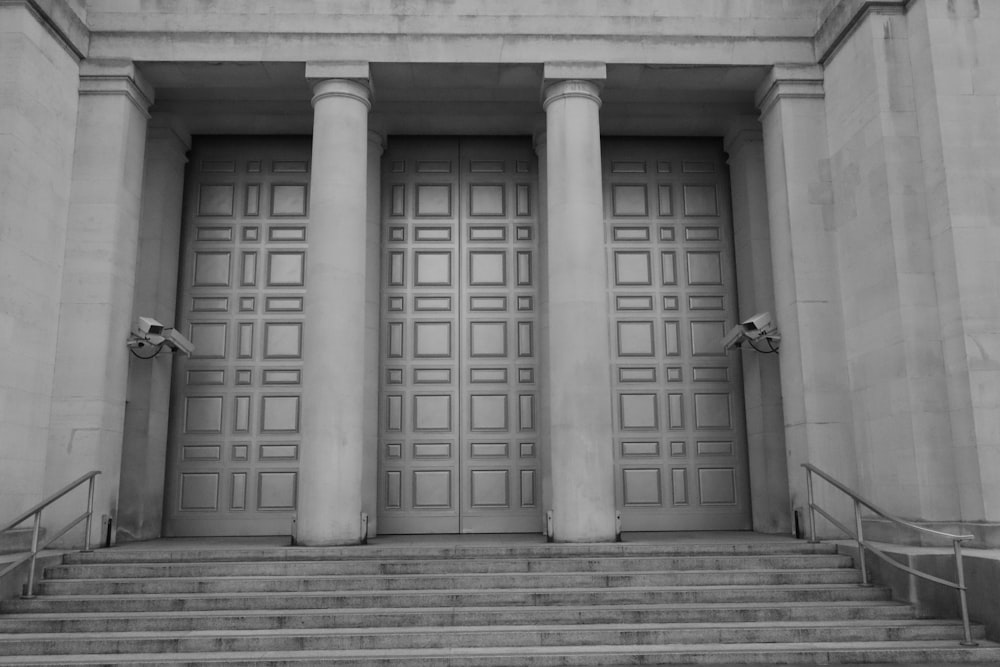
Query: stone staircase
column 419, row 605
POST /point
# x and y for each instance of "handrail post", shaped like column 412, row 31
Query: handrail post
column 812, row 512
column 861, row 546
column 961, row 595
column 29, row 591
column 90, row 515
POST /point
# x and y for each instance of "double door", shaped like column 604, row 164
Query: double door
column 459, row 447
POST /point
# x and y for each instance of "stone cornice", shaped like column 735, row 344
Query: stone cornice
column 116, row 78
column 789, row 81
column 844, row 18
column 61, row 22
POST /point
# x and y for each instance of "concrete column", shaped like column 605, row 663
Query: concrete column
column 373, row 293
column 333, row 428
column 144, row 450
column 815, row 396
column 91, row 369
column 579, row 382
column 744, row 144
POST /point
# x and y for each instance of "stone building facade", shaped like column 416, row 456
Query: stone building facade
column 467, row 267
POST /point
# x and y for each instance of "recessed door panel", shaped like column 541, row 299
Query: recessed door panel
column 233, row 449
column 680, row 444
column 458, row 445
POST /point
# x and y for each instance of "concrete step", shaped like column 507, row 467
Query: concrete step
column 295, row 584
column 450, row 598
column 515, row 636
column 268, row 619
column 449, row 551
column 448, row 566
column 910, row 653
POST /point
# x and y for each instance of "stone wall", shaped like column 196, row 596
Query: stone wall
column 38, row 104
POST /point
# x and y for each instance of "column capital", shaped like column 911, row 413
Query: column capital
column 561, row 90
column 117, row 77
column 789, row 81
column 349, row 88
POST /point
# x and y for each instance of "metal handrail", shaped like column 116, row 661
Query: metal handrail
column 864, row 546
column 36, row 512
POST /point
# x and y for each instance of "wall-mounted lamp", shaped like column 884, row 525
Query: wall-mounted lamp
column 759, row 330
column 152, row 335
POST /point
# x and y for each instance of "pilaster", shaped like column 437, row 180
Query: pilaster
column 815, row 395
column 744, row 144
column 90, row 378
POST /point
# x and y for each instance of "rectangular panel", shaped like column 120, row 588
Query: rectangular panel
column 281, row 304
column 628, row 167
column 432, row 268
column 241, row 414
column 433, row 166
column 394, row 412
column 637, row 411
column 286, row 269
column 706, row 302
column 240, row 453
column 209, row 304
column 675, row 411
column 281, row 376
column 487, row 268
column 637, row 375
column 211, row 269
column 692, row 233
column 283, row 233
column 432, row 339
column 489, row 449
column 487, row 200
column 206, row 377
column 396, row 267
column 678, row 448
column 678, row 478
column 279, row 414
column 523, row 200
column 218, row 166
column 704, row 268
column 487, row 375
column 282, row 340
column 244, row 376
column 209, row 339
column 201, row 453
column 289, row 166
column 214, row 233
column 252, row 207
column 632, row 268
column 671, row 338
column 431, row 375
column 712, row 411
column 289, row 452
column 431, row 450
column 523, row 268
column 629, row 200
column 199, row 491
column 432, row 489
column 432, row 412
column 478, row 233
column 630, row 233
column 527, row 450
column 432, row 303
column 490, row 488
column 276, row 490
column 248, row 304
column 215, row 200
column 646, row 448
column 432, row 233
column 488, row 339
column 717, row 486
column 710, row 374
column 203, row 414
column 635, row 339
column 433, row 201
column 289, row 200
column 251, row 233
column 700, row 200
column 487, row 303
column 527, row 488
column 714, row 448
column 668, row 268
column 398, row 200
column 238, row 495
column 488, row 412
column 641, row 486
column 524, row 339
column 706, row 338
column 526, row 410
column 244, row 344
column 486, row 166
column 393, row 493
column 395, row 343
column 665, row 200
column 633, row 303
